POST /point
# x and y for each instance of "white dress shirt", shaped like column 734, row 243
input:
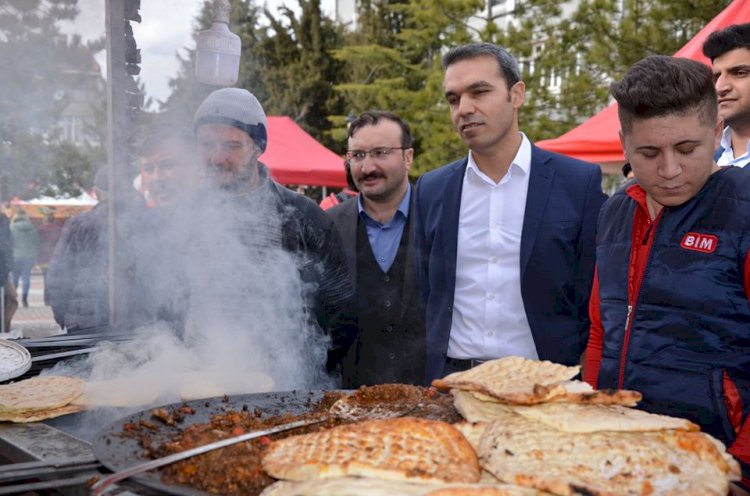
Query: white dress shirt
column 727, row 156
column 489, row 320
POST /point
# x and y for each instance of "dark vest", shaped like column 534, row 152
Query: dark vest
column 390, row 346
column 691, row 318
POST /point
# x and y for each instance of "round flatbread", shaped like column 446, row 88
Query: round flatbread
column 39, row 393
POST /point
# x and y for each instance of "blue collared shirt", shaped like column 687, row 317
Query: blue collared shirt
column 385, row 238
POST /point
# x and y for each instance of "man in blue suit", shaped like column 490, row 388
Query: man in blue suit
column 505, row 236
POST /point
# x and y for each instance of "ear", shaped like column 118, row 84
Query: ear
column 518, row 94
column 717, row 132
column 408, row 157
column 622, row 144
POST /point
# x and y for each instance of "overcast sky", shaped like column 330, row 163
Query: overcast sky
column 166, row 30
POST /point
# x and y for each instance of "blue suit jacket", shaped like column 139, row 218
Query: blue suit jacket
column 557, row 253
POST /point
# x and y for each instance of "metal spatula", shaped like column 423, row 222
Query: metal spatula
column 344, row 408
column 105, row 484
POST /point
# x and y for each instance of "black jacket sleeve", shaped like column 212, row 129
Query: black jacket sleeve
column 312, row 234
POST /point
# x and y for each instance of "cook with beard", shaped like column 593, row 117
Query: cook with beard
column 376, row 234
column 231, row 135
column 505, row 236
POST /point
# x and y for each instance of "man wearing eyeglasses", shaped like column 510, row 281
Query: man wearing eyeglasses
column 506, row 235
column 378, row 243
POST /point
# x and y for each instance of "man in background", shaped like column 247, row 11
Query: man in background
column 49, row 235
column 25, row 250
column 505, row 235
column 377, row 237
column 6, row 261
column 729, row 51
column 77, row 277
column 171, row 170
column 670, row 306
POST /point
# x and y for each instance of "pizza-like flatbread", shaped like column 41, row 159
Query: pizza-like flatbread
column 401, row 449
column 354, row 486
column 39, row 393
column 529, row 453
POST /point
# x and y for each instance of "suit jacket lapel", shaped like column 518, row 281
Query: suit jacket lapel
column 540, row 185
column 451, row 199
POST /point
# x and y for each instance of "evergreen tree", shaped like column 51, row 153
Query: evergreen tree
column 570, row 60
column 40, row 69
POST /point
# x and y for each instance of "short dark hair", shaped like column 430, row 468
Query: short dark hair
column 161, row 131
column 725, row 40
column 507, row 63
column 659, row 85
column 627, row 169
column 372, row 117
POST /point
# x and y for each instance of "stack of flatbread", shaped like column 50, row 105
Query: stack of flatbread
column 532, row 425
column 530, row 429
column 408, row 456
column 39, row 398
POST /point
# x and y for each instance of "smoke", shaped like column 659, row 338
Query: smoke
column 231, row 307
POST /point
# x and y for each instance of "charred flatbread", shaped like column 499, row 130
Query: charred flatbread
column 400, row 449
column 39, row 393
column 670, row 462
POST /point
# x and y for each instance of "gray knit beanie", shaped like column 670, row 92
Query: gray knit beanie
column 234, row 107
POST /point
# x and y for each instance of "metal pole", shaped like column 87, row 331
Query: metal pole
column 118, row 135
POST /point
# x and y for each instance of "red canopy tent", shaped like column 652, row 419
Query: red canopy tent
column 596, row 140
column 294, row 157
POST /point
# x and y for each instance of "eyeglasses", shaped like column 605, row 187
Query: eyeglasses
column 378, row 154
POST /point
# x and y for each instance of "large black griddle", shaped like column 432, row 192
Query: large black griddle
column 118, row 452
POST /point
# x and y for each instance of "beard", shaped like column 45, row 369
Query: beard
column 235, row 179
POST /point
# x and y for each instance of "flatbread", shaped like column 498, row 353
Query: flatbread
column 570, row 417
column 37, row 415
column 353, row 486
column 532, row 454
column 39, row 393
column 118, row 393
column 561, row 392
column 199, row 385
column 522, row 381
column 508, row 376
column 400, row 449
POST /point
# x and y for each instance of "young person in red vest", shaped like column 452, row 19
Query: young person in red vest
column 669, row 309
